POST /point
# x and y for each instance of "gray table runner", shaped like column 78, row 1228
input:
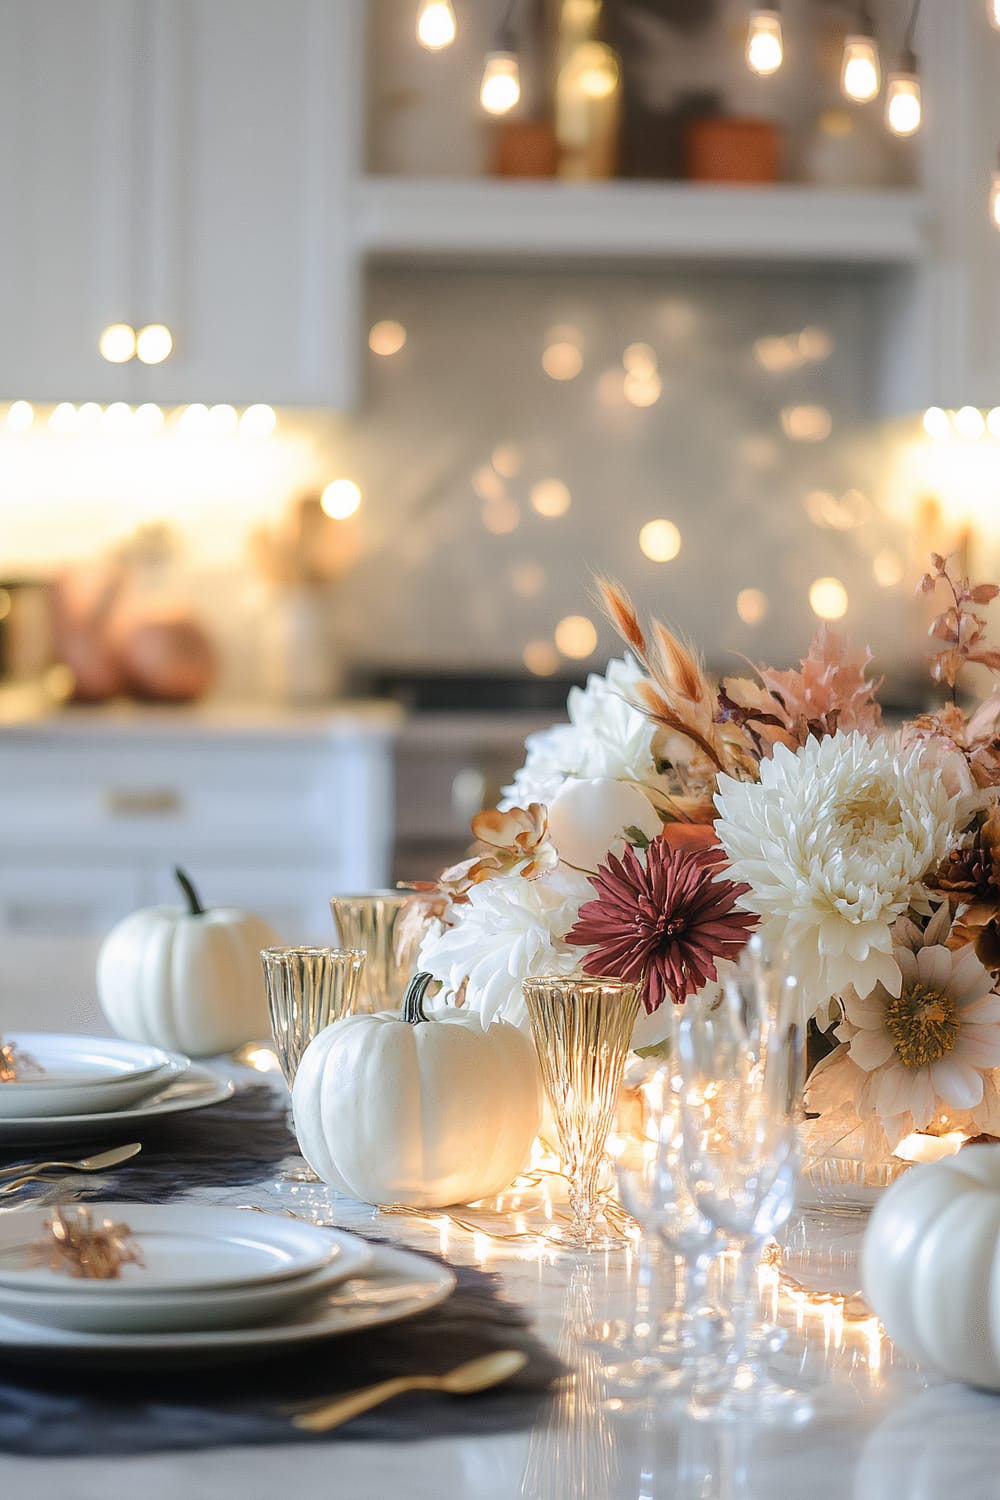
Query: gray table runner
column 49, row 1413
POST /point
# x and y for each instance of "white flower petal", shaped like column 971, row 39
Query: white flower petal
column 979, row 1046
column 923, row 1104
column 979, row 1011
column 934, row 967
column 956, row 1083
column 870, row 1049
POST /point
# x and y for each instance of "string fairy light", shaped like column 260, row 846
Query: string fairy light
column 765, row 50
column 861, row 73
column 500, row 86
column 903, row 105
column 436, row 27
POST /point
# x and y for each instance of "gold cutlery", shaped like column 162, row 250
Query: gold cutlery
column 465, row 1380
column 38, row 1171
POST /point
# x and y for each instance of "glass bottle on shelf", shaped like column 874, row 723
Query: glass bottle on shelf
column 588, row 95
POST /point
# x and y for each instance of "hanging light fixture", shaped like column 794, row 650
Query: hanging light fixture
column 435, row 24
column 765, row 51
column 993, row 11
column 860, row 73
column 500, row 88
column 903, row 107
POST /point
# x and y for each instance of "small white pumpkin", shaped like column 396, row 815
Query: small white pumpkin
column 190, row 981
column 931, row 1265
column 417, row 1109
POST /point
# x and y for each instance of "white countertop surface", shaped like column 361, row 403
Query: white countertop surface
column 24, row 719
column 882, row 1429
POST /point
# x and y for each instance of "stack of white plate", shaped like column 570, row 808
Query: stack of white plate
column 213, row 1284
column 200, row 1268
column 88, row 1087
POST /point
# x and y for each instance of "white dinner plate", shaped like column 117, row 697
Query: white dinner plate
column 32, row 1102
column 396, row 1285
column 185, row 1310
column 194, row 1089
column 84, row 1074
column 186, row 1247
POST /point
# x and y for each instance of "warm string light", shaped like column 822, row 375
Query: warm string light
column 860, row 73
column 500, row 88
column 436, row 24
column 765, row 50
column 903, row 105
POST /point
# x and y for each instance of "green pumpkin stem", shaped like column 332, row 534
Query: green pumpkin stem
column 195, row 907
column 413, row 1000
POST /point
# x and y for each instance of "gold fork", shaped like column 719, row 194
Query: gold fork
column 37, row 1172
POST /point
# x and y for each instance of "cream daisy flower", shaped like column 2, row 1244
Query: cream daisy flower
column 932, row 1048
column 833, row 841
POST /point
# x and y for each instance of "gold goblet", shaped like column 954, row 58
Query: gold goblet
column 371, row 923
column 307, row 989
column 582, row 1028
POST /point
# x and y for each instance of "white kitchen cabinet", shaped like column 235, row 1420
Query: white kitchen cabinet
column 275, row 815
column 66, row 180
column 179, row 162
column 957, row 332
column 199, row 163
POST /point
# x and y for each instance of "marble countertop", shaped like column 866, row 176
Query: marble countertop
column 881, row 1428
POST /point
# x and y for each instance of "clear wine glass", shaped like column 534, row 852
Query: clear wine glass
column 634, row 1359
column 740, row 1071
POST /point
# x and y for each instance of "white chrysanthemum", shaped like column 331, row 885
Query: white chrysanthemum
column 833, row 841
column 509, row 930
column 607, row 737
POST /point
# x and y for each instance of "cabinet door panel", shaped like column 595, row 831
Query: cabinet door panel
column 251, row 130
column 66, row 899
column 66, row 73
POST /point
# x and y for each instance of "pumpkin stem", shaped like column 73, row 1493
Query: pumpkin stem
column 195, row 907
column 413, row 1000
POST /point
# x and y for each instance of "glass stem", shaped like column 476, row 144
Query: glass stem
column 583, row 1200
column 645, row 1325
column 743, row 1301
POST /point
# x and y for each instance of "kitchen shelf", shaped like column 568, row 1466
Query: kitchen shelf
column 480, row 220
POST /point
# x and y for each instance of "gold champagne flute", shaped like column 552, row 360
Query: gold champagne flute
column 582, row 1029
column 370, row 922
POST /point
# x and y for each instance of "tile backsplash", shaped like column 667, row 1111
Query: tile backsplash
column 531, row 424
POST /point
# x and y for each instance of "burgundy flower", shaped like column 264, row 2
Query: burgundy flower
column 665, row 922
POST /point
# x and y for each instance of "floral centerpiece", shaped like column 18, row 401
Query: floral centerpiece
column 674, row 815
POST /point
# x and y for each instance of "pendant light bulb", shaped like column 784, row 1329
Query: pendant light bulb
column 435, row 24
column 860, row 72
column 765, row 50
column 903, row 106
column 993, row 11
column 500, row 88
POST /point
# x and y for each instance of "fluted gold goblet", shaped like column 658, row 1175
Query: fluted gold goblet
column 371, row 923
column 582, row 1029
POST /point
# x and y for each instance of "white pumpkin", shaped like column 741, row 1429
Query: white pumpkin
column 190, row 981
column 931, row 1265
column 424, row 1110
